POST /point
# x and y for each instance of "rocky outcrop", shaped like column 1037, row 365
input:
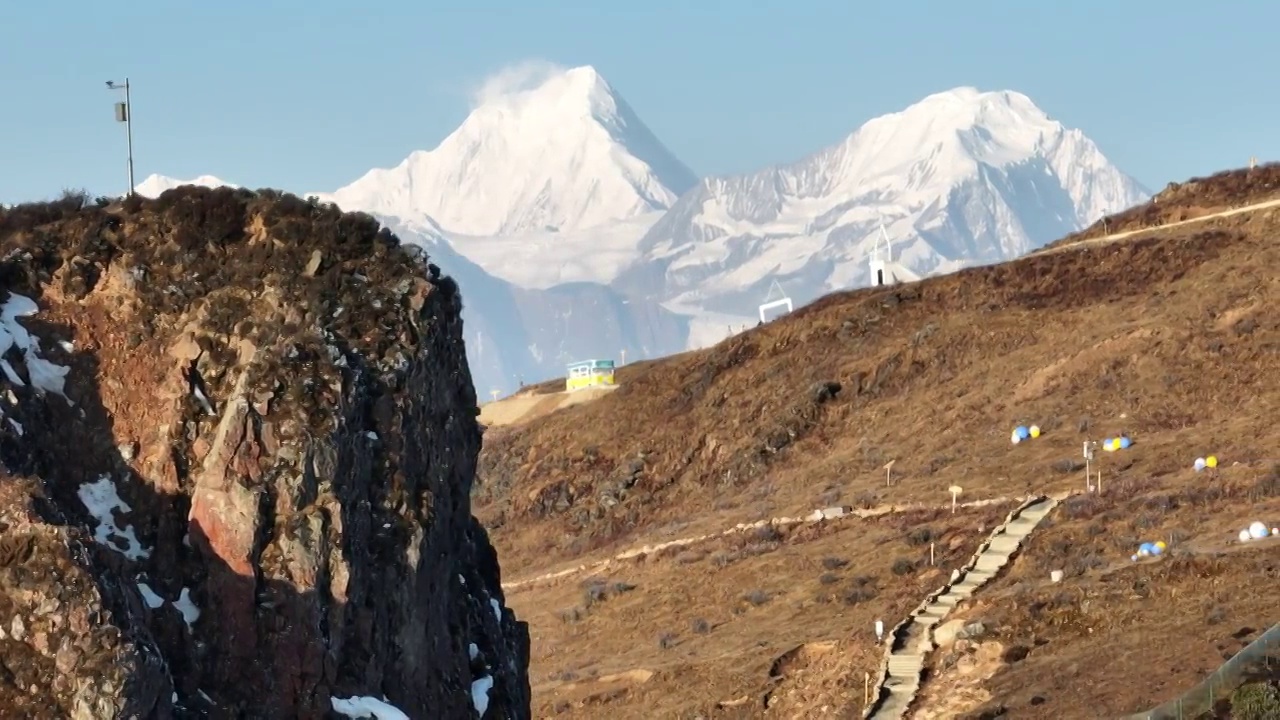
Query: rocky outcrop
column 240, row 438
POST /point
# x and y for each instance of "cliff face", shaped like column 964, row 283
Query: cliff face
column 240, row 439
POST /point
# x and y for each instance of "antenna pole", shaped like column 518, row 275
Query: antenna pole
column 128, row 129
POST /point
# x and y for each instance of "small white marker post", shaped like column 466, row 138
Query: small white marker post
column 622, row 355
column 888, row 472
column 955, row 491
column 931, row 551
column 879, row 630
column 1089, row 446
column 495, row 394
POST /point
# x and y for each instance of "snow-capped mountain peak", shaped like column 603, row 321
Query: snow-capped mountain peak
column 561, row 154
column 961, row 177
column 155, row 184
column 577, row 91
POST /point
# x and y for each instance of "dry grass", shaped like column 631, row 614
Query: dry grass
column 1086, row 344
column 1194, row 198
column 1170, row 338
column 1135, row 634
column 683, row 631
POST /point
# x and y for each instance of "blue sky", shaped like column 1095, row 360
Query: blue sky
column 308, row 95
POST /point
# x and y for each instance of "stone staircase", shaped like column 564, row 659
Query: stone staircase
column 911, row 641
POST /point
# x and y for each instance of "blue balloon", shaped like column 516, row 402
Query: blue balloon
column 1146, row 548
column 1155, row 550
column 1125, row 443
column 1023, row 432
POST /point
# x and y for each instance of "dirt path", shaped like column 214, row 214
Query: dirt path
column 1127, row 234
column 818, row 515
column 523, row 408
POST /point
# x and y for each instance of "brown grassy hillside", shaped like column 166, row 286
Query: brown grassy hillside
column 1170, row 337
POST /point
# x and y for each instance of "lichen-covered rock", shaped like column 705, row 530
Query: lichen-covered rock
column 62, row 653
column 258, row 464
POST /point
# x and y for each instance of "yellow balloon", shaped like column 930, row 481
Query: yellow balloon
column 1160, row 544
column 1211, row 461
column 1035, row 431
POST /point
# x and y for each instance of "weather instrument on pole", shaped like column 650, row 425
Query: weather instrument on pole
column 124, row 114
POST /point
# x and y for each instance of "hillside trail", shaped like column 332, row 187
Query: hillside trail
column 533, row 406
column 907, row 645
column 1127, row 234
column 828, row 514
column 524, row 408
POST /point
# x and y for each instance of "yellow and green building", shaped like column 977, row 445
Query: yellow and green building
column 589, row 373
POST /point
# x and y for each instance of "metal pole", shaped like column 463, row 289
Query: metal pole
column 128, row 129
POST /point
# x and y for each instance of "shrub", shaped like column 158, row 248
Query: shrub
column 861, row 589
column 569, row 616
column 595, row 590
column 921, row 536
column 1267, row 486
column 1256, row 701
column 666, row 640
column 903, row 566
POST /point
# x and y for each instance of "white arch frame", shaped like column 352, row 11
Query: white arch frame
column 784, row 301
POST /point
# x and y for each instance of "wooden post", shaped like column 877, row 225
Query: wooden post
column 931, row 554
column 866, row 689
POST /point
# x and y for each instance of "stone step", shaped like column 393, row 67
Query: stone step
column 1004, row 544
column 948, row 599
column 903, row 679
column 900, row 665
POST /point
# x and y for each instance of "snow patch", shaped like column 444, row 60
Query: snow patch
column 480, row 694
column 149, row 596
column 541, row 260
column 184, row 605
column 102, row 501
column 45, row 376
column 497, row 609
column 366, row 707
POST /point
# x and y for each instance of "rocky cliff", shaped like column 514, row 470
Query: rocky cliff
column 238, row 443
